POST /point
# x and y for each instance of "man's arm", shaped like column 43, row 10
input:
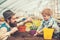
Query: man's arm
column 3, row 30
column 21, row 23
column 4, row 33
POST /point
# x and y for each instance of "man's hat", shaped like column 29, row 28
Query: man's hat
column 7, row 14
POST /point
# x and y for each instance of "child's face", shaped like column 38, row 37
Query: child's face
column 46, row 17
column 46, row 13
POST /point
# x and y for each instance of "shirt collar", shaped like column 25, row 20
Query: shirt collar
column 48, row 19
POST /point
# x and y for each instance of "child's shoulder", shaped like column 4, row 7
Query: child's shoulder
column 54, row 19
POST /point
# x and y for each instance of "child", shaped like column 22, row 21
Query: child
column 48, row 22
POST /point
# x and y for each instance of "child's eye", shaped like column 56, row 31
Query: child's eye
column 44, row 16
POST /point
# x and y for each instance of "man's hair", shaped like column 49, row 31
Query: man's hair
column 8, row 14
column 8, row 19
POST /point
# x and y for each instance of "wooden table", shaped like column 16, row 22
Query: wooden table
column 25, row 36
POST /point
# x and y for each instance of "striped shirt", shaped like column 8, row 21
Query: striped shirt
column 51, row 23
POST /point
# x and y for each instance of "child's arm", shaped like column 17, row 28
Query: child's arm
column 39, row 30
column 53, row 24
column 56, row 27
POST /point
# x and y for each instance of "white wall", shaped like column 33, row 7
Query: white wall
column 28, row 7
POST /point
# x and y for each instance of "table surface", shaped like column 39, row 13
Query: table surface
column 25, row 36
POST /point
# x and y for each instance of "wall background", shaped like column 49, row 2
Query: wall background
column 30, row 7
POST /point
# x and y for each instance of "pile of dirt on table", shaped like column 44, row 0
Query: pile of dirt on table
column 25, row 36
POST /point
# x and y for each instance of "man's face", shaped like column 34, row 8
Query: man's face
column 13, row 22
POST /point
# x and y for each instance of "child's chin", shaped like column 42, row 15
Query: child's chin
column 45, row 19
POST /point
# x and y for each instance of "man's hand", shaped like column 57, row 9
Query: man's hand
column 22, row 23
column 8, row 33
column 28, row 19
column 5, row 35
column 13, row 30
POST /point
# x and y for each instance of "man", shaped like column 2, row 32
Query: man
column 9, row 26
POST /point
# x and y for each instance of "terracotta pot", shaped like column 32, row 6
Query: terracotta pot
column 22, row 28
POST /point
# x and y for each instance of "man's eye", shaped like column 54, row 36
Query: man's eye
column 14, row 18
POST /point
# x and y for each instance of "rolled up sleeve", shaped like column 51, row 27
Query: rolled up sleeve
column 40, row 27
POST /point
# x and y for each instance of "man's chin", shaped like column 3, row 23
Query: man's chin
column 13, row 24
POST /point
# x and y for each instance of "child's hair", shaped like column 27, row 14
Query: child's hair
column 47, row 11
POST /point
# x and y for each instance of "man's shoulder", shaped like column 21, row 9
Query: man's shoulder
column 4, row 24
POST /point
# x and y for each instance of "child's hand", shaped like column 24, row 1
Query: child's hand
column 35, row 34
column 38, row 32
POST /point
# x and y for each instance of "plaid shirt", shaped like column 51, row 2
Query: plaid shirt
column 51, row 23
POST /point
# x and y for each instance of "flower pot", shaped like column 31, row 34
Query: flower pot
column 28, row 25
column 48, row 33
column 32, row 32
column 22, row 28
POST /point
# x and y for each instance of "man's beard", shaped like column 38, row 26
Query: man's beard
column 13, row 24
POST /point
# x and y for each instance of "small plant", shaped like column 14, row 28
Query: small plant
column 33, row 27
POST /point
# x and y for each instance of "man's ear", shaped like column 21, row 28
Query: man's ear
column 8, row 21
